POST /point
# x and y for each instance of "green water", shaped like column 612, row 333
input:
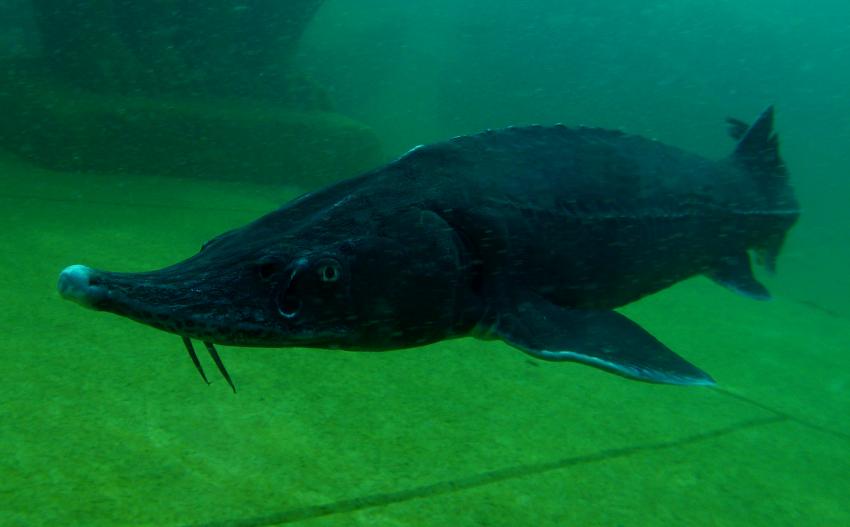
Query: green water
column 105, row 422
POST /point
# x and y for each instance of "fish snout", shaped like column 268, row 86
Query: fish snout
column 80, row 284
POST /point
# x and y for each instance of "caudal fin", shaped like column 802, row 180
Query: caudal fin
column 757, row 152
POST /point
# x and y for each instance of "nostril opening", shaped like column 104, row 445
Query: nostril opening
column 289, row 305
column 265, row 271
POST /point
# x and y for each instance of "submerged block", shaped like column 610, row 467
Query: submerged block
column 66, row 129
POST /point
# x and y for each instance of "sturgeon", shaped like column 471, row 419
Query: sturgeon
column 531, row 235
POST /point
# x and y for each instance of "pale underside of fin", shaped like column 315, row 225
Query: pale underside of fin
column 600, row 338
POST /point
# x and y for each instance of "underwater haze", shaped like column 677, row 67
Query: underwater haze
column 132, row 134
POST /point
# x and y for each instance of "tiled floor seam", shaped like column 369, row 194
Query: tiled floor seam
column 482, row 479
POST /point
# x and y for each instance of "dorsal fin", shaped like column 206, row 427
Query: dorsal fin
column 758, row 149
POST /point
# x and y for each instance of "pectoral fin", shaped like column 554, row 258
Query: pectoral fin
column 604, row 339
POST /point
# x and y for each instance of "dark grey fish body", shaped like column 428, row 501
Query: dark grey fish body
column 532, row 235
column 591, row 218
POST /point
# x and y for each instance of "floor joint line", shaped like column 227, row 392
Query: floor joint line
column 484, row 478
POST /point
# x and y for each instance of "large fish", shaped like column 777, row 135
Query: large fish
column 531, row 235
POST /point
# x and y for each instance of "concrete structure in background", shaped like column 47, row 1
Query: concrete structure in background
column 194, row 88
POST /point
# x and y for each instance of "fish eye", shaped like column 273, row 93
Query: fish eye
column 329, row 271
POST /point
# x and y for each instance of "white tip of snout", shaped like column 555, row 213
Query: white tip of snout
column 75, row 285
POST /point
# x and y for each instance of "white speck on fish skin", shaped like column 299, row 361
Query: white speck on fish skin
column 341, row 202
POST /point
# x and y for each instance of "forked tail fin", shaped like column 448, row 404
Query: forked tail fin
column 757, row 152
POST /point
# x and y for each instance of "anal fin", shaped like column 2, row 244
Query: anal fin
column 736, row 273
column 599, row 338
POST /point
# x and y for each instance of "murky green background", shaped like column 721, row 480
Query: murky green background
column 104, row 422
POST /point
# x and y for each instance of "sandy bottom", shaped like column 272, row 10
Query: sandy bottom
column 105, row 422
